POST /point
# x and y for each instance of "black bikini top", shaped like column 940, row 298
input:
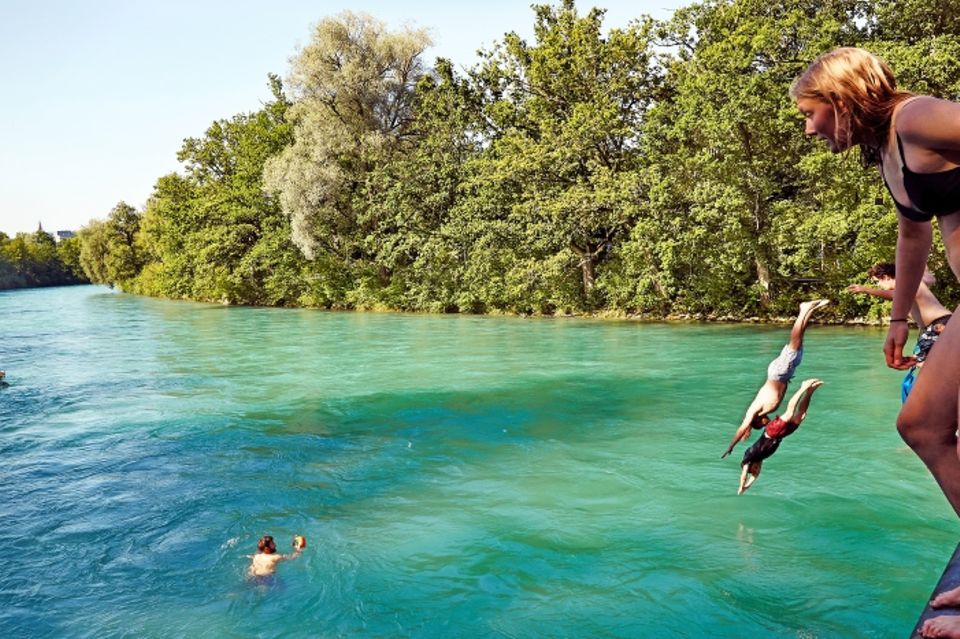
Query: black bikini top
column 934, row 194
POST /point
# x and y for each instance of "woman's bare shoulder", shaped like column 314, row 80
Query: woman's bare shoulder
column 929, row 120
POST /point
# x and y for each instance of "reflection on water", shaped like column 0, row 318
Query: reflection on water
column 456, row 476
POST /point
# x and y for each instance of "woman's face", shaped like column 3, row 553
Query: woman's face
column 821, row 120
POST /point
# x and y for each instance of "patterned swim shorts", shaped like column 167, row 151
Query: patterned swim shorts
column 785, row 365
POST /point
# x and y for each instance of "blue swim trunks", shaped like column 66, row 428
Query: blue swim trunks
column 785, row 365
column 907, row 384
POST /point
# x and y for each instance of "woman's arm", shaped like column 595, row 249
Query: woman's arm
column 913, row 248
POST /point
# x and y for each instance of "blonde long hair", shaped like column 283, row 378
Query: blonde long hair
column 862, row 91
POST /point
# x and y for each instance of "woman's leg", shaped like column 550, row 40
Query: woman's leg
column 928, row 419
column 940, row 432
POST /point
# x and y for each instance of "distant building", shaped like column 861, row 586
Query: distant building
column 63, row 235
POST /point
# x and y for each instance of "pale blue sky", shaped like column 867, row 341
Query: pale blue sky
column 98, row 95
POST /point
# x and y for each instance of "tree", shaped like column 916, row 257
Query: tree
column 353, row 86
column 213, row 234
column 109, row 250
column 565, row 119
column 33, row 259
column 726, row 150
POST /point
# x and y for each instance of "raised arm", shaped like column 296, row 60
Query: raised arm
column 298, row 543
column 296, row 553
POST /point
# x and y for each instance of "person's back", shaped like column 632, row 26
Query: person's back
column 928, row 306
column 264, row 563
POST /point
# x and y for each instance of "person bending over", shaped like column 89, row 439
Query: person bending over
column 929, row 314
column 849, row 98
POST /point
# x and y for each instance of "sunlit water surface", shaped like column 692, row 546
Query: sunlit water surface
column 455, row 477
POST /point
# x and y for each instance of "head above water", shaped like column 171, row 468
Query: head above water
column 267, row 545
column 862, row 92
column 760, row 421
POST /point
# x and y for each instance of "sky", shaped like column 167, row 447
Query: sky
column 97, row 96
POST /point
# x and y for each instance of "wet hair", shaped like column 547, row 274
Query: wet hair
column 267, row 545
column 881, row 270
column 759, row 421
column 862, row 91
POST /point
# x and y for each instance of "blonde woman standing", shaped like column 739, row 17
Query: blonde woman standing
column 849, row 98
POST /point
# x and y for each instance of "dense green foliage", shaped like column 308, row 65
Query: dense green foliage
column 35, row 259
column 656, row 169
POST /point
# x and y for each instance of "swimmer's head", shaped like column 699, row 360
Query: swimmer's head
column 267, row 545
column 759, row 421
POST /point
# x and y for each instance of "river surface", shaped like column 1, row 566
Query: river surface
column 455, row 476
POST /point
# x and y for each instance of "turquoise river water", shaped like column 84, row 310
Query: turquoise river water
column 455, row 476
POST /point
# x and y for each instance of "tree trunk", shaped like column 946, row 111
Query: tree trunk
column 587, row 272
column 763, row 277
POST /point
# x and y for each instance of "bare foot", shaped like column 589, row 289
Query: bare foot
column 942, row 626
column 815, row 304
column 808, row 307
column 946, row 599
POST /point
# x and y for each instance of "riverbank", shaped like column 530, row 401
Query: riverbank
column 823, row 318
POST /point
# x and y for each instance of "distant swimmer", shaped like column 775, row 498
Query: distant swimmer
column 779, row 373
column 264, row 563
column 929, row 314
column 774, row 432
column 3, row 384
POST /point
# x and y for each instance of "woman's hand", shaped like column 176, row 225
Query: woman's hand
column 893, row 347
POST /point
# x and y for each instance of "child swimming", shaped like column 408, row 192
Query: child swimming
column 264, row 563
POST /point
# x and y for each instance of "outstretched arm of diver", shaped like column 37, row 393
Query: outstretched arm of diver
column 743, row 432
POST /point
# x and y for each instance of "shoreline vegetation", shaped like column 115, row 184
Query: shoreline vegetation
column 33, row 260
column 657, row 170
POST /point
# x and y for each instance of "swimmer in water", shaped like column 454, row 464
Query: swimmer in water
column 265, row 562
